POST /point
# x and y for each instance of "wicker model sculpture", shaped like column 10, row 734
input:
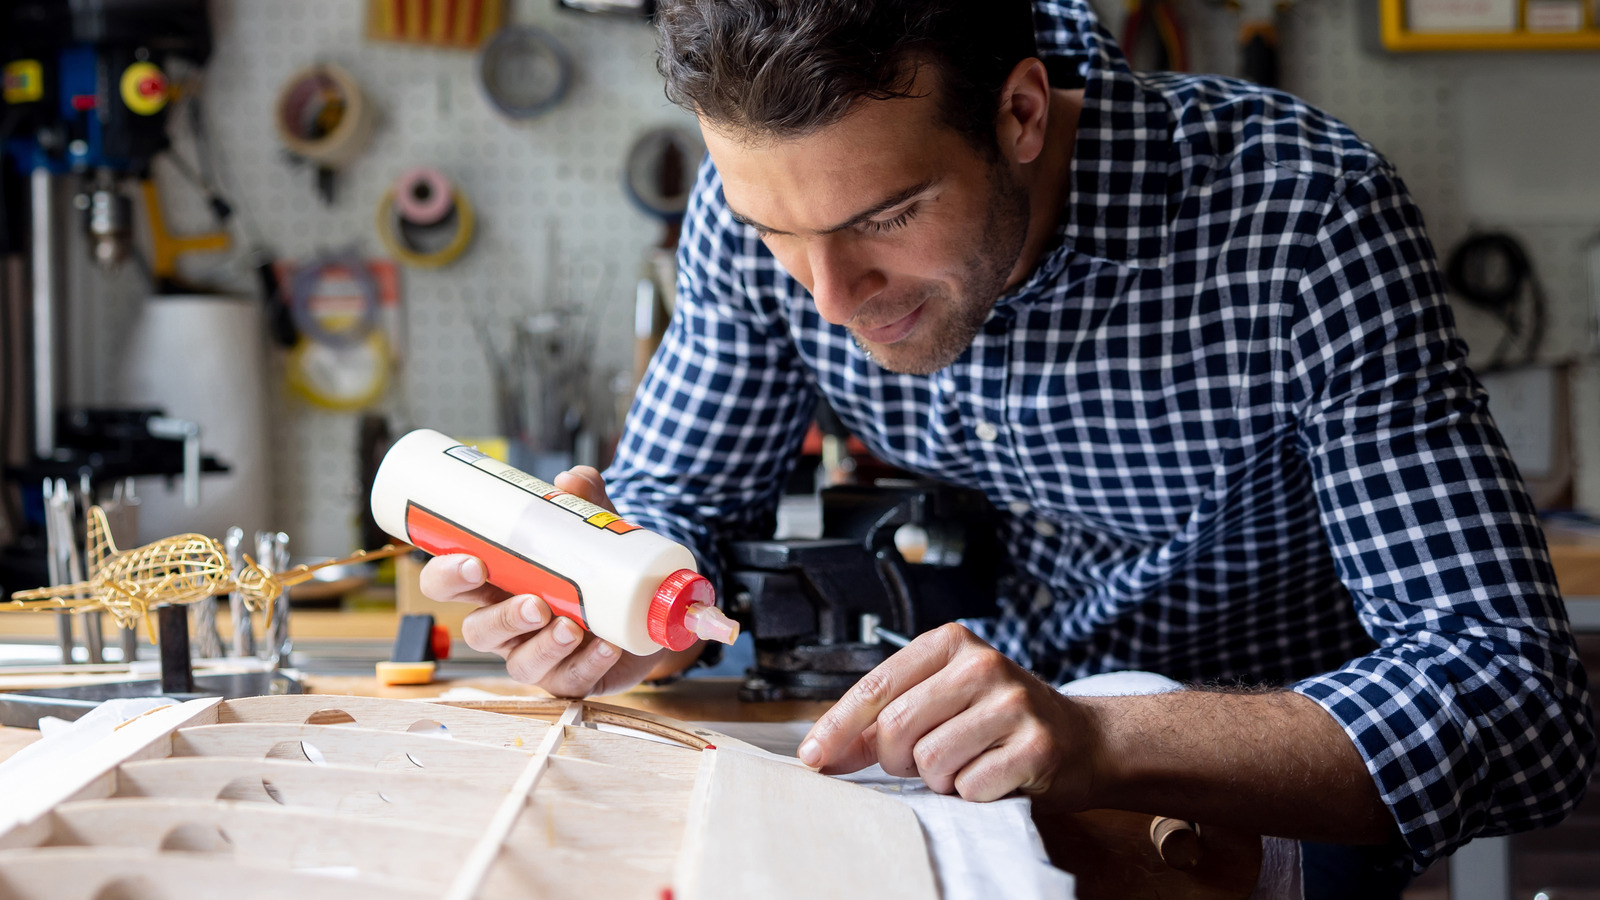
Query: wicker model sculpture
column 184, row 568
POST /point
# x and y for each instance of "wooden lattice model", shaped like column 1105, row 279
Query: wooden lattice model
column 319, row 797
column 184, row 568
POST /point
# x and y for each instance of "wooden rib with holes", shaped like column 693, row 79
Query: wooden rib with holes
column 236, row 797
column 405, row 851
column 84, row 873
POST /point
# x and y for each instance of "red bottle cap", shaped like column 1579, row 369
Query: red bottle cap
column 678, row 591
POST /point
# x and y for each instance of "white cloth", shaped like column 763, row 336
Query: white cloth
column 979, row 850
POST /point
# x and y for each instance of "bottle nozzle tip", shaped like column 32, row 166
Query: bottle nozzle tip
column 711, row 624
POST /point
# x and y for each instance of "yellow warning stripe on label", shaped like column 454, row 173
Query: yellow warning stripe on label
column 583, row 509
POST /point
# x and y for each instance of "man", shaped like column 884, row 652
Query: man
column 1188, row 334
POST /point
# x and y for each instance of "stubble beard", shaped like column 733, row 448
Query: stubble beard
column 983, row 279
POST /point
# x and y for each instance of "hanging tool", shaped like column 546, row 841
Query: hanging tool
column 1258, row 39
column 1153, row 37
column 165, row 247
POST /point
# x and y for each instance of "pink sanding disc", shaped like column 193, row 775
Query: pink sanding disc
column 423, row 196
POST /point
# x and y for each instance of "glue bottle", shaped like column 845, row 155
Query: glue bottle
column 629, row 586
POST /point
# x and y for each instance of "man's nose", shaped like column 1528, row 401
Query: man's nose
column 841, row 281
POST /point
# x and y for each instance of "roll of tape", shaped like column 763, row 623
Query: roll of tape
column 322, row 115
column 303, row 288
column 661, row 169
column 423, row 196
column 340, row 379
column 524, row 71
column 392, row 231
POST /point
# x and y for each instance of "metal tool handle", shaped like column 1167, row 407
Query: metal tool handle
column 275, row 547
column 244, row 637
column 55, row 564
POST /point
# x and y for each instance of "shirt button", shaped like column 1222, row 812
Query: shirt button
column 1044, row 528
column 987, row 432
column 1019, row 507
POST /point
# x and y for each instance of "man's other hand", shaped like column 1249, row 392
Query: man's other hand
column 551, row 652
column 955, row 711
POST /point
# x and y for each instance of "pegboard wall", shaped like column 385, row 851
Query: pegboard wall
column 565, row 169
column 561, row 172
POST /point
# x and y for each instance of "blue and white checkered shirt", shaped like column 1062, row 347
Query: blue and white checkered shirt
column 1228, row 421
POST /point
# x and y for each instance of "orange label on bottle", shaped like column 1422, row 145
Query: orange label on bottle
column 505, row 567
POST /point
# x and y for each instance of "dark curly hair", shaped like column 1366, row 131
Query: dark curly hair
column 785, row 68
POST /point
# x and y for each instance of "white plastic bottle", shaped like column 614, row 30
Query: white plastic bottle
column 629, row 586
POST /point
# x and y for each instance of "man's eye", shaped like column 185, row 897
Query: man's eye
column 873, row 226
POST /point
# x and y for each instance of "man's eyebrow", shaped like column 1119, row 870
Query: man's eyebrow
column 883, row 205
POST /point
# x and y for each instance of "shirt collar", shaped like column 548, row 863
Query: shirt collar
column 1123, row 171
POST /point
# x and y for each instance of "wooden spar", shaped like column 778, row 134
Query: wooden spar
column 472, row 874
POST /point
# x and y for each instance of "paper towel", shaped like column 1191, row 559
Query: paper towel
column 202, row 358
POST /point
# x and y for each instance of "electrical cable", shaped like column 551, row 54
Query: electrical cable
column 1491, row 270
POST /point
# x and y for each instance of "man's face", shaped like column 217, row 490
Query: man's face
column 901, row 230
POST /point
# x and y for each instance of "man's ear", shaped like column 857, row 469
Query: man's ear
column 1024, row 112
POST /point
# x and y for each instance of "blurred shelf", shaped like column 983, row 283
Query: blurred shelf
column 1396, row 37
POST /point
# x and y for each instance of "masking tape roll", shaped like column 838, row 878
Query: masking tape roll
column 322, row 115
column 303, row 289
column 423, row 195
column 340, row 379
column 389, row 227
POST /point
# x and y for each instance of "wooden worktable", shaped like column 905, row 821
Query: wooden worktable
column 1109, row 851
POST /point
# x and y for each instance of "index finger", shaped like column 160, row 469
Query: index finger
column 458, row 578
column 840, row 726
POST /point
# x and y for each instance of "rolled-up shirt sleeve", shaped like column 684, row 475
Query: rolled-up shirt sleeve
column 1472, row 714
column 717, row 423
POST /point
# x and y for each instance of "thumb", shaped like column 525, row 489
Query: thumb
column 585, row 481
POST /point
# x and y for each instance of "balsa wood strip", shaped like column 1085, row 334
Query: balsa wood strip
column 386, row 715
column 31, row 794
column 469, row 880
column 665, row 760
column 340, row 745
column 692, row 736
column 83, row 873
column 792, row 819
